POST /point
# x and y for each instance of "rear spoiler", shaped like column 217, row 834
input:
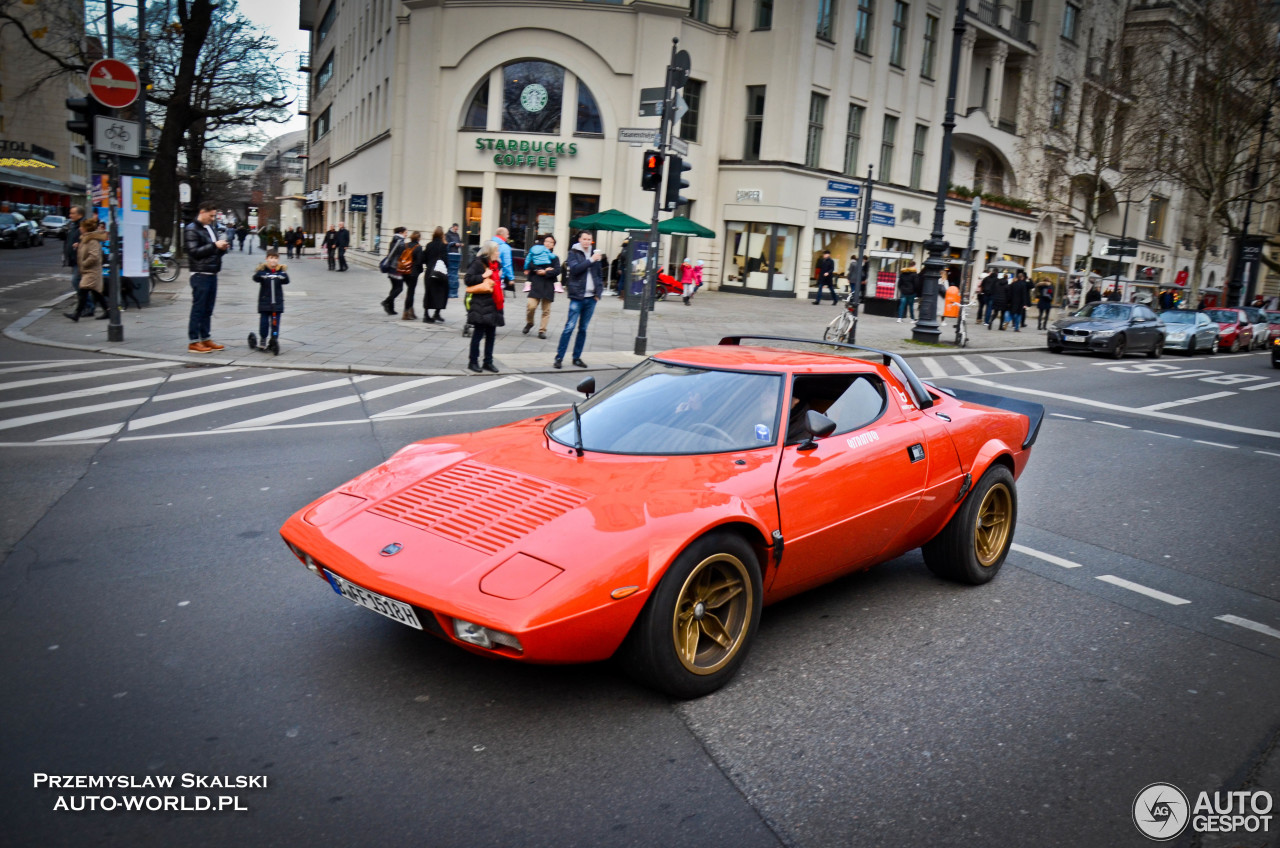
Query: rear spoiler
column 1033, row 411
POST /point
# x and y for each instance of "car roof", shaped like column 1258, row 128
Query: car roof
column 752, row 358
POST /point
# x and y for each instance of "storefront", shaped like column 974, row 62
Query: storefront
column 760, row 258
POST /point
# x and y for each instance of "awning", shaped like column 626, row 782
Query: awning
column 11, row 177
column 888, row 254
column 681, row 226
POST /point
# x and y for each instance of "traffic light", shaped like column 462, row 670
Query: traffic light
column 652, row 179
column 676, row 183
column 84, row 109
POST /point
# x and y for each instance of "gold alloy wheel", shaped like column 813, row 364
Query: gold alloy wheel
column 995, row 523
column 711, row 614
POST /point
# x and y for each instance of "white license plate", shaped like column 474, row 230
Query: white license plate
column 1076, row 339
column 391, row 608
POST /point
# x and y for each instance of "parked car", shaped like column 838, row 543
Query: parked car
column 1235, row 328
column 1273, row 325
column 1275, row 351
column 17, row 231
column 1189, row 331
column 655, row 519
column 1111, row 328
column 54, row 226
column 1261, row 333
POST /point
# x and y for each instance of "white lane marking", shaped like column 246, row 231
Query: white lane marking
column 999, row 363
column 1034, row 366
column 196, row 373
column 1249, row 625
column 1113, row 424
column 1185, row 401
column 402, row 387
column 1070, row 417
column 94, row 433
column 1065, row 563
column 1142, row 590
column 1267, row 453
column 86, row 375
column 1262, row 386
column 934, row 369
column 1214, row 444
column 964, row 363
column 210, row 408
column 233, row 384
column 548, row 383
column 1166, row 416
column 44, row 364
column 438, row 400
column 1158, row 433
column 82, row 393
column 68, row 413
column 45, row 443
column 526, row 399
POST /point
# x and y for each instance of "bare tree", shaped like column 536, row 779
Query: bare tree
column 51, row 32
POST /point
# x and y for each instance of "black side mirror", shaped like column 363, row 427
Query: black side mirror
column 588, row 386
column 818, row 426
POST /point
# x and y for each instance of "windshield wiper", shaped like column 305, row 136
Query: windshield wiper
column 577, row 430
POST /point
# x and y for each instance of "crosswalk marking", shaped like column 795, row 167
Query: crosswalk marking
column 934, row 369
column 418, row 406
column 963, row 362
column 45, row 364
column 325, row 405
column 234, row 384
column 402, row 387
column 525, row 399
column 25, row 420
column 209, row 408
column 81, row 393
column 86, row 375
column 999, row 363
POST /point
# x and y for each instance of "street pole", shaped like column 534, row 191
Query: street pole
column 964, row 269
column 651, row 272
column 926, row 329
column 1124, row 238
column 1243, row 280
column 855, row 279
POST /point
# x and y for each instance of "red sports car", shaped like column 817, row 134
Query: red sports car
column 657, row 517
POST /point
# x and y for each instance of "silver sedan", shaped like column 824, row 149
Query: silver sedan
column 1191, row 332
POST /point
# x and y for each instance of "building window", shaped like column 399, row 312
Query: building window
column 1058, row 109
column 930, row 46
column 886, row 148
column 898, row 40
column 764, row 14
column 1070, row 21
column 852, row 139
column 755, row 122
column 862, row 26
column 817, row 117
column 826, row 19
column 325, row 73
column 320, row 127
column 326, row 22
column 692, row 99
column 588, row 112
column 477, row 117
column 1155, row 217
column 531, row 97
column 917, row 154
column 698, row 9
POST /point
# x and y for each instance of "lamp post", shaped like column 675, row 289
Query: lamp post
column 926, row 328
column 1241, row 288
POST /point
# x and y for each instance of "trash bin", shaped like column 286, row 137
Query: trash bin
column 455, row 258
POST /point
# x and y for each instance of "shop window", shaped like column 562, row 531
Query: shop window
column 477, row 117
column 532, row 93
column 761, row 257
column 589, row 122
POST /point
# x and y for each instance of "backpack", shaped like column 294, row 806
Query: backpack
column 404, row 265
column 387, row 265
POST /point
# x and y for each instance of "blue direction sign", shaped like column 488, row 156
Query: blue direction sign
column 844, row 187
column 838, row 202
column 881, row 206
column 836, row 214
column 882, row 220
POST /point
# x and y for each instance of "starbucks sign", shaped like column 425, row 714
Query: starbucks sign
column 533, row 98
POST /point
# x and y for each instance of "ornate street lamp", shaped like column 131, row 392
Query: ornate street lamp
column 927, row 329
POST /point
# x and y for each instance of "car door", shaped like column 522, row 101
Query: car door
column 842, row 502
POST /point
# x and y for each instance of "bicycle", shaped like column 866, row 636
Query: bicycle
column 843, row 325
column 164, row 269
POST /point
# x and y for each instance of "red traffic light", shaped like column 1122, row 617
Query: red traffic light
column 652, row 178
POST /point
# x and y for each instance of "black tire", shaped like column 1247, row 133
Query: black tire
column 975, row 542
column 1055, row 348
column 670, row 647
column 1191, row 346
column 837, row 331
column 1118, row 351
column 1235, row 344
column 1156, row 350
column 169, row 272
column 660, row 294
column 1213, row 351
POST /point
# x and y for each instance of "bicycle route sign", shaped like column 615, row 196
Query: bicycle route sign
column 119, row 138
column 113, row 83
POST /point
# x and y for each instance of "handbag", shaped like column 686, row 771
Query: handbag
column 440, row 268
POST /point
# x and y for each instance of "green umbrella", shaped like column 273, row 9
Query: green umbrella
column 681, row 226
column 610, row 219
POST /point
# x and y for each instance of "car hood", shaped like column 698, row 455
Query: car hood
column 1089, row 323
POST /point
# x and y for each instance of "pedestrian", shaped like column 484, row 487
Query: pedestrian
column 388, row 267
column 435, row 282
column 71, row 240
column 271, row 278
column 1092, row 296
column 1113, row 295
column 342, row 239
column 299, row 242
column 1019, row 298
column 697, row 277
column 484, row 312
column 988, row 287
column 1166, row 300
column 453, row 239
column 288, row 245
column 542, row 270
column 204, row 255
column 583, row 284
column 824, row 274
column 1044, row 302
column 89, row 269
column 408, row 267
column 999, row 302
column 503, row 237
column 330, row 244
column 241, row 232
column 617, row 270
column 908, row 288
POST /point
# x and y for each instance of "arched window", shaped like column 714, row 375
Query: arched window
column 533, row 94
column 588, row 113
column 477, row 117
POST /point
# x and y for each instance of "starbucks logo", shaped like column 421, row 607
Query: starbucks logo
column 533, row 98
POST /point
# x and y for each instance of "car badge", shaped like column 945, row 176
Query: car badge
column 392, row 549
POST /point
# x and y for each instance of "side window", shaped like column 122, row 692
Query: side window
column 851, row 400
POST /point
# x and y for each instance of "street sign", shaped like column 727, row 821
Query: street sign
column 882, row 220
column 679, row 145
column 680, row 67
column 836, row 214
column 842, row 186
column 113, row 83
column 651, row 100
column 881, row 206
column 839, row 202
column 116, row 137
column 637, row 135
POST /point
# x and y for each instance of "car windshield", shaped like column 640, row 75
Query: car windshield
column 52, row 219
column 1177, row 316
column 1223, row 316
column 661, row 409
column 1107, row 311
column 1273, row 317
column 7, row 219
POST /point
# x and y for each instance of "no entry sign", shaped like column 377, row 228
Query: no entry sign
column 113, row 83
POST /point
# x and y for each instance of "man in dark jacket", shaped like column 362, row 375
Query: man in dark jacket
column 71, row 243
column 342, row 239
column 204, row 255
column 389, row 268
column 908, row 288
column 1019, row 299
column 583, row 283
column 330, row 244
column 999, row 302
column 987, row 288
column 825, row 275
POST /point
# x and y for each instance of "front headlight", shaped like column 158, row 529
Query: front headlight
column 1177, row 335
column 1103, row 334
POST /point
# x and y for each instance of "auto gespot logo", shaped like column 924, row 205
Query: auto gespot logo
column 1161, row 812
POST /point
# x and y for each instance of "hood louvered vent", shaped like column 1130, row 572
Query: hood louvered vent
column 480, row 506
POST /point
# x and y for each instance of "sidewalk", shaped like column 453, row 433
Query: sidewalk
column 333, row 322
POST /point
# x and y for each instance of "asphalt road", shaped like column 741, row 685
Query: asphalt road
column 154, row 624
